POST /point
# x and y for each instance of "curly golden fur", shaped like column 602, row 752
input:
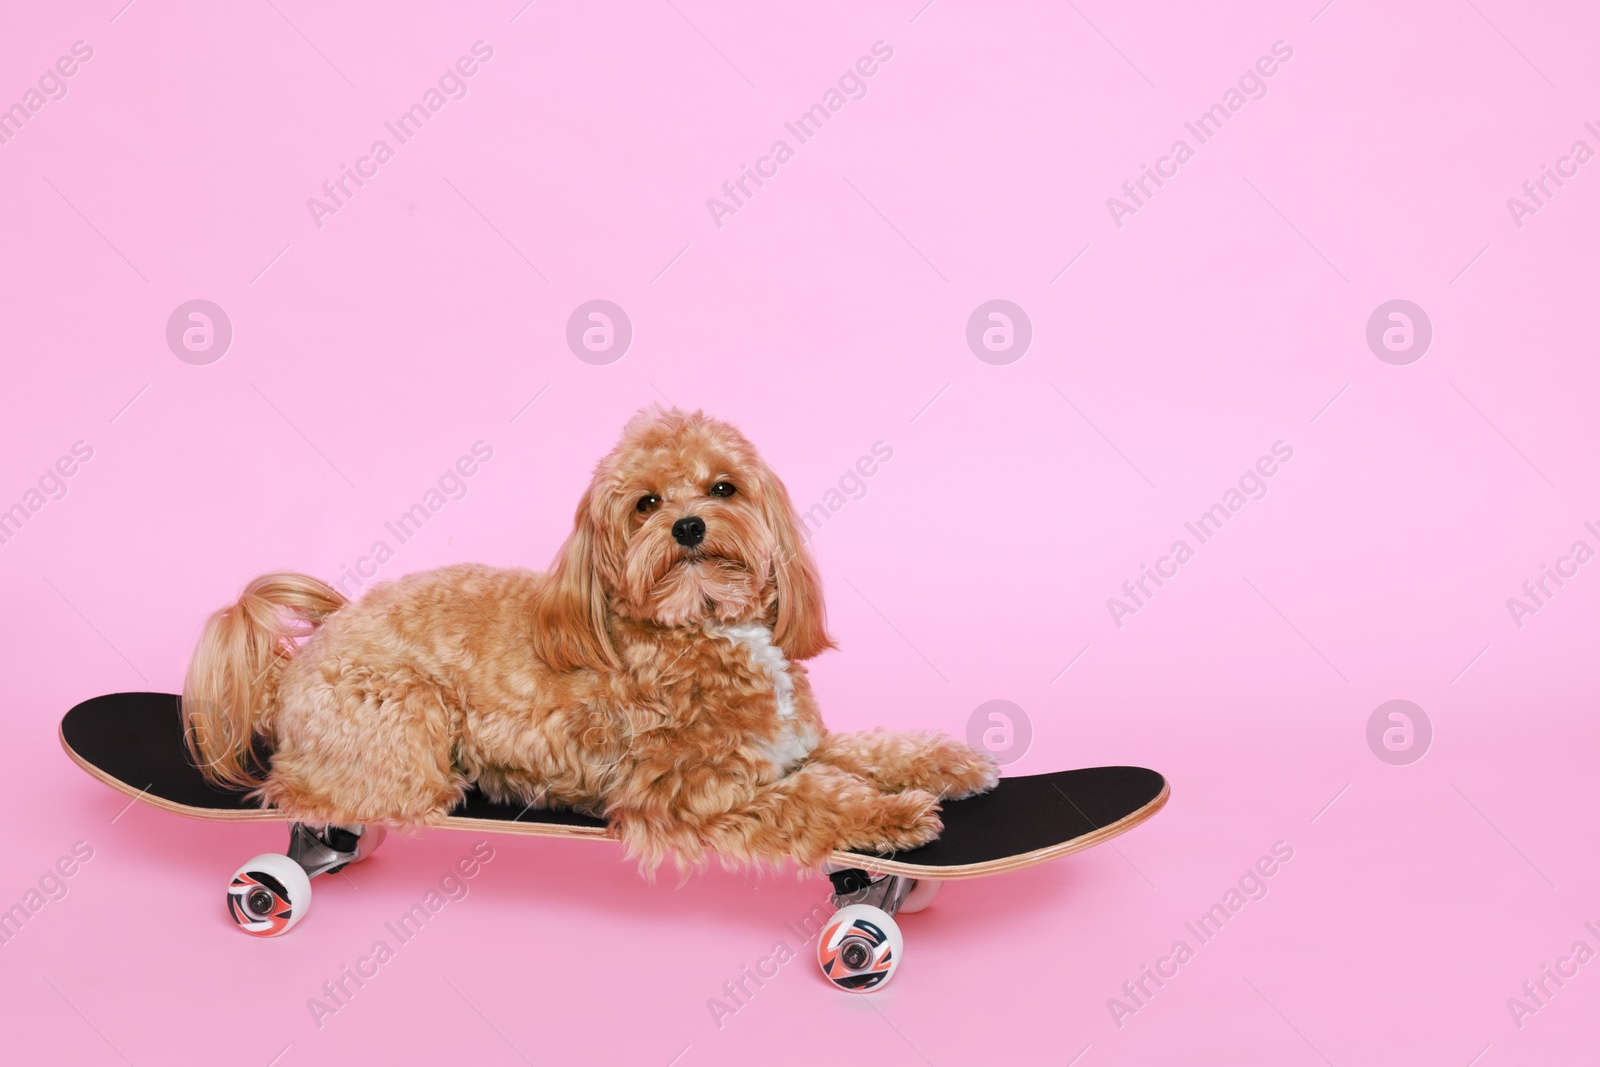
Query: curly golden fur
column 648, row 677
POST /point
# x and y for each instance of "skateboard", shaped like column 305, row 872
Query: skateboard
column 134, row 742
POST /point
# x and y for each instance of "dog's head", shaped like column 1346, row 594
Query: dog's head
column 682, row 524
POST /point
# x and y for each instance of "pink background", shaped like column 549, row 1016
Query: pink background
column 829, row 313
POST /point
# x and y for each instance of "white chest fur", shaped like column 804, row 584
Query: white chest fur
column 795, row 741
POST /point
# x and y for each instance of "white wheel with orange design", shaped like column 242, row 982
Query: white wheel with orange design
column 860, row 948
column 269, row 895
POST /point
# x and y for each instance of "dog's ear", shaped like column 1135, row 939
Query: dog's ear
column 801, row 625
column 569, row 612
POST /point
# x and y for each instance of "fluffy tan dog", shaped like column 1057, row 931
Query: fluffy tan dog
column 652, row 676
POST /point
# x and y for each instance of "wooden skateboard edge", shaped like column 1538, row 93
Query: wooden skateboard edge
column 875, row 864
column 529, row 829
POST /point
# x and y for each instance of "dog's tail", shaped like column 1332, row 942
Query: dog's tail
column 233, row 678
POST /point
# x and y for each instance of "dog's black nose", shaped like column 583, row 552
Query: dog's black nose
column 689, row 531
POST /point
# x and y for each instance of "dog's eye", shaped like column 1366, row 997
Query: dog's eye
column 723, row 489
column 647, row 504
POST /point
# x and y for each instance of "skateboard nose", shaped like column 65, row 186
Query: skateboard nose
column 689, row 531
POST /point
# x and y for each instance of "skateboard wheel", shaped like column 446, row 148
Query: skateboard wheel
column 921, row 895
column 860, row 948
column 269, row 895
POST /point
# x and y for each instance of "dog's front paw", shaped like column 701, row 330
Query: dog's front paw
column 963, row 771
column 905, row 821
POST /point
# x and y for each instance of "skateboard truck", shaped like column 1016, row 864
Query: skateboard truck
column 329, row 849
column 852, row 885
